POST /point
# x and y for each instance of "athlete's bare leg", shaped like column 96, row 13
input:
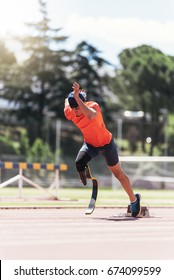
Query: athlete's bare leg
column 124, row 180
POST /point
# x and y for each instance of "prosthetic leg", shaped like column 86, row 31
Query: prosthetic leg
column 92, row 202
column 84, row 175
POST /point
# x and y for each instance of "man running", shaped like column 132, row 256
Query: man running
column 87, row 116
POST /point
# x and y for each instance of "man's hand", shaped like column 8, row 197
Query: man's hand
column 76, row 89
column 90, row 113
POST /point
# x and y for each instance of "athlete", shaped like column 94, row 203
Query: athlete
column 87, row 116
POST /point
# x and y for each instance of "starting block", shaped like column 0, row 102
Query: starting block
column 144, row 212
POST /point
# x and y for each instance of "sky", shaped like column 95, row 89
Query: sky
column 109, row 25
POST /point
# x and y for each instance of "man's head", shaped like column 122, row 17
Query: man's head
column 72, row 101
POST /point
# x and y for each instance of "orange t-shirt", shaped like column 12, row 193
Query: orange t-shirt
column 94, row 131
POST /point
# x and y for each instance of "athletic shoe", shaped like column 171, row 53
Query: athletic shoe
column 135, row 206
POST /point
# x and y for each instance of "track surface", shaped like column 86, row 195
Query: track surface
column 69, row 234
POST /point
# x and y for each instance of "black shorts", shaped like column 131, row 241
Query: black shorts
column 109, row 151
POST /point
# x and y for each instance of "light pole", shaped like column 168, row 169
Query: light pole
column 58, row 135
column 119, row 132
column 164, row 112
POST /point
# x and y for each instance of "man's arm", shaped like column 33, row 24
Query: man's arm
column 90, row 113
column 66, row 103
column 67, row 111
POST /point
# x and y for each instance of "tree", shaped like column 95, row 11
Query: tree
column 145, row 80
column 7, row 62
column 38, row 86
column 6, row 57
column 88, row 68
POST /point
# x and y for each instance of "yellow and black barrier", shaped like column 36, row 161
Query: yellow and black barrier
column 34, row 166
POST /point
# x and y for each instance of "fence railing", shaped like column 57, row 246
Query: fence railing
column 20, row 178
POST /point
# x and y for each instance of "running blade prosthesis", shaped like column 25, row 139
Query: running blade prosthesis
column 92, row 202
column 144, row 212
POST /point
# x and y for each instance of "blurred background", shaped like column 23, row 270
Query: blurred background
column 120, row 52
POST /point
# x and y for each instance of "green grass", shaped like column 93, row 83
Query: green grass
column 79, row 197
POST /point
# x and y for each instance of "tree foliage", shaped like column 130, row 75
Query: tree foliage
column 88, row 69
column 39, row 86
column 144, row 83
column 6, row 57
